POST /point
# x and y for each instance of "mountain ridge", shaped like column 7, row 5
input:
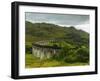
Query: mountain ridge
column 46, row 31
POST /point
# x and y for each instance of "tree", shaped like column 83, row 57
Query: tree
column 64, row 53
column 82, row 54
column 71, row 56
column 28, row 49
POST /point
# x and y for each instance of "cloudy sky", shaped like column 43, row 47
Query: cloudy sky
column 79, row 21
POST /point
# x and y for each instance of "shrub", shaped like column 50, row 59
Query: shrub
column 70, row 56
column 83, row 54
column 28, row 49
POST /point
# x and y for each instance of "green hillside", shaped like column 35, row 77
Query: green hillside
column 45, row 31
column 68, row 37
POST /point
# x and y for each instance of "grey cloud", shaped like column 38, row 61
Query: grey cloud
column 66, row 19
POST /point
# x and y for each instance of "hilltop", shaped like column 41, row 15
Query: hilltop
column 46, row 31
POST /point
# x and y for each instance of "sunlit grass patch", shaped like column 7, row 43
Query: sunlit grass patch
column 34, row 62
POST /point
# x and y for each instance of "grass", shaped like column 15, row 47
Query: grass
column 33, row 62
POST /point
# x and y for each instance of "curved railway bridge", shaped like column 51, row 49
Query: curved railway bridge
column 42, row 49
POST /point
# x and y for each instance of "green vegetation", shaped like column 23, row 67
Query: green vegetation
column 74, row 45
column 33, row 62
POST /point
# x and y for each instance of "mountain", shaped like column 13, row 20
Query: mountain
column 46, row 31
